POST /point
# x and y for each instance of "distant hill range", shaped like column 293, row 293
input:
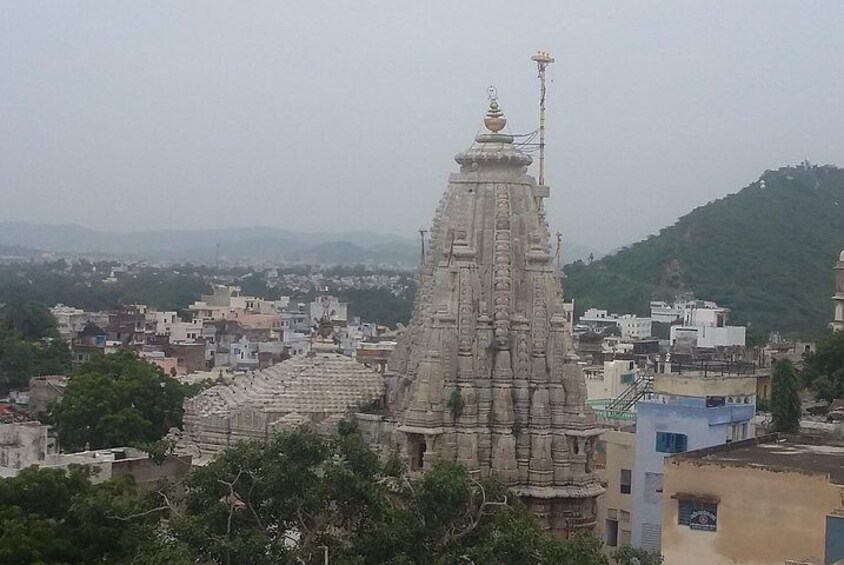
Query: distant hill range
column 766, row 252
column 236, row 245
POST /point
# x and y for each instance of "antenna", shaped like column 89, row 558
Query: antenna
column 542, row 59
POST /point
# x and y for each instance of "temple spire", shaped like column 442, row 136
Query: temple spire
column 482, row 374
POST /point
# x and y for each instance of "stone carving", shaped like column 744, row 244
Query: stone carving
column 522, row 356
column 489, row 261
column 540, row 334
column 466, row 317
column 502, row 277
column 484, row 347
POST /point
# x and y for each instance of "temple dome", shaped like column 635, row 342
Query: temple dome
column 484, row 375
column 493, row 147
column 316, row 390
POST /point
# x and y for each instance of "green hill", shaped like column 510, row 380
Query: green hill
column 766, row 252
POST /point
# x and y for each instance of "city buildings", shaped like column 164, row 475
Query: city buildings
column 701, row 324
column 23, row 441
column 630, row 327
column 690, row 408
column 71, row 321
column 610, row 381
column 617, row 461
column 772, row 499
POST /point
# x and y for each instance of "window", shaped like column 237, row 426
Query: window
column 834, row 539
column 626, row 538
column 626, row 481
column 651, row 536
column 624, row 516
column 612, row 533
column 667, row 442
column 697, row 515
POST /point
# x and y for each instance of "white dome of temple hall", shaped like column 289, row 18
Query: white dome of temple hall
column 316, row 390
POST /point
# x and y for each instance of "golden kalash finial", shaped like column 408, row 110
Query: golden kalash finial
column 494, row 120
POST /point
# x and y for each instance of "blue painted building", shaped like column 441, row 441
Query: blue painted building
column 686, row 412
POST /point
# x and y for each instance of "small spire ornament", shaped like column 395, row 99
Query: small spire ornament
column 494, row 120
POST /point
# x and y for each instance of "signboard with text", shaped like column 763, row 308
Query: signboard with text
column 705, row 520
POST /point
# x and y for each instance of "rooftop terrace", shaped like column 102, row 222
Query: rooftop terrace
column 778, row 453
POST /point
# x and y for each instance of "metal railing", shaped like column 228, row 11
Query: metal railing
column 713, row 368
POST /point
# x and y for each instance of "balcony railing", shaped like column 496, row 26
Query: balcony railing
column 713, row 368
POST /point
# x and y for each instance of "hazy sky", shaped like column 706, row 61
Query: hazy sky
column 346, row 115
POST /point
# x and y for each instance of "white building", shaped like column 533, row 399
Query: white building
column 705, row 324
column 610, row 382
column 678, row 310
column 632, row 327
column 666, row 313
column 23, row 443
column 244, row 354
column 709, row 336
column 329, row 306
column 70, row 321
column 227, row 302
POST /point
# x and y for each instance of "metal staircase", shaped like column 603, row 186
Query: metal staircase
column 642, row 386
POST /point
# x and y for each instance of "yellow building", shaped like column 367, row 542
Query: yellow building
column 615, row 507
column 763, row 501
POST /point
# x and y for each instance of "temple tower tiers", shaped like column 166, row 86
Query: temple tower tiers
column 489, row 378
column 838, row 298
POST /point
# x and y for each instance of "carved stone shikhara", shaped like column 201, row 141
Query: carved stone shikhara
column 488, row 325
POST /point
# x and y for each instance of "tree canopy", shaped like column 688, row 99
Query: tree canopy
column 53, row 516
column 288, row 500
column 117, row 400
column 823, row 369
column 766, row 252
column 30, row 320
column 29, row 345
column 298, row 495
column 785, row 398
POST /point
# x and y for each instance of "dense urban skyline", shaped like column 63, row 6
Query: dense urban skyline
column 299, row 116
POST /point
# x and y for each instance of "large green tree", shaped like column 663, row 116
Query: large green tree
column 115, row 400
column 785, row 398
column 823, row 370
column 296, row 496
column 289, row 500
column 29, row 345
column 31, row 320
column 53, row 516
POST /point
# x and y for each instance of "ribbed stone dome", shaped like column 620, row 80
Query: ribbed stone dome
column 317, row 389
column 489, row 379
